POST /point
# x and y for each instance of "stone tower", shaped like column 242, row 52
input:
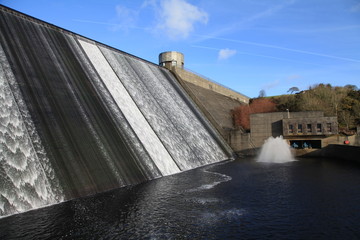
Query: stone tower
column 171, row 59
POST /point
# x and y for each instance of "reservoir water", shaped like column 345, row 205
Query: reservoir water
column 79, row 118
column 241, row 199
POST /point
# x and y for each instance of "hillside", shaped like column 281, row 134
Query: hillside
column 343, row 102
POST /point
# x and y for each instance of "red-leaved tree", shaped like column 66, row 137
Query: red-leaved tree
column 241, row 114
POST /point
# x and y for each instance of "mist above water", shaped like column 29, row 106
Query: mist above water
column 275, row 150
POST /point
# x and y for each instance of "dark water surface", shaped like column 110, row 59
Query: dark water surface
column 242, row 199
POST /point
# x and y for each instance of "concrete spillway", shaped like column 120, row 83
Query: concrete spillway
column 78, row 117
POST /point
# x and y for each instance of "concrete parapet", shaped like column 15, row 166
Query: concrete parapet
column 204, row 83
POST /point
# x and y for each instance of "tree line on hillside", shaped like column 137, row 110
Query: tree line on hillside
column 343, row 102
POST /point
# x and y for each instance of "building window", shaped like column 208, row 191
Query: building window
column 291, row 128
column 308, row 128
column 300, row 129
column 173, row 63
column 328, row 127
column 318, row 127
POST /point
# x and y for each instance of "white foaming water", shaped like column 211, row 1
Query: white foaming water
column 152, row 111
column 141, row 127
column 275, row 150
column 222, row 178
column 194, row 133
column 204, row 201
column 117, row 116
column 214, row 217
column 24, row 171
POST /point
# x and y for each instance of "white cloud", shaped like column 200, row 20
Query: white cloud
column 226, row 53
column 151, row 3
column 178, row 17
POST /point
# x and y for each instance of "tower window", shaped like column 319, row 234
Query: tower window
column 291, row 128
column 300, row 129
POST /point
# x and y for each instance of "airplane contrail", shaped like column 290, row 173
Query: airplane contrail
column 281, row 48
column 109, row 24
column 258, row 55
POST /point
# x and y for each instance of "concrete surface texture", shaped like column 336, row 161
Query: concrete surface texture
column 207, row 84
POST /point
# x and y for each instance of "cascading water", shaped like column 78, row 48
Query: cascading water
column 134, row 116
column 160, row 96
column 131, row 75
column 79, row 118
column 275, row 150
column 23, row 173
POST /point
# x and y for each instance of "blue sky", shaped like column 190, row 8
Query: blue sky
column 247, row 45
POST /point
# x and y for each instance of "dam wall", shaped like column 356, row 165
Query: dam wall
column 214, row 100
column 78, row 117
column 210, row 85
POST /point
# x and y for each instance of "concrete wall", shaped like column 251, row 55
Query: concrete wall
column 204, row 83
column 340, row 152
column 171, row 59
column 216, row 102
column 357, row 140
column 265, row 125
column 241, row 143
column 339, row 139
column 200, row 104
column 313, row 123
column 218, row 105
